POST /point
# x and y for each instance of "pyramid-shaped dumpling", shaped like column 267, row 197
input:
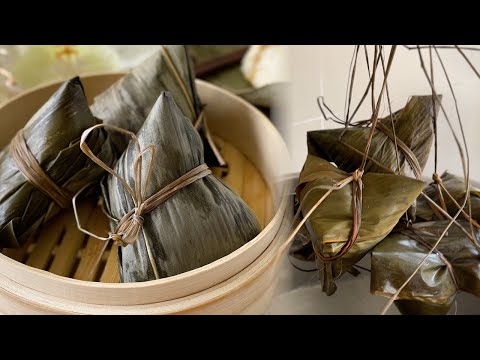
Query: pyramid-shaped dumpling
column 199, row 224
column 127, row 103
column 413, row 127
column 52, row 136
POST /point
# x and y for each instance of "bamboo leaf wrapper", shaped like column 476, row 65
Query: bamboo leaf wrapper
column 199, row 224
column 52, row 136
column 386, row 197
column 412, row 124
column 127, row 103
column 433, row 289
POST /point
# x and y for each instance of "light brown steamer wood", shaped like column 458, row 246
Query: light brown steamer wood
column 241, row 282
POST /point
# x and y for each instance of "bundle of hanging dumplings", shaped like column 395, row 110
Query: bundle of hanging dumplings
column 344, row 228
column 168, row 212
column 391, row 186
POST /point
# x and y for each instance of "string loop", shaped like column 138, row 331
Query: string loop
column 28, row 165
column 129, row 226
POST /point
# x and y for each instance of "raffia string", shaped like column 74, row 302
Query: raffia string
column 31, row 169
column 202, row 119
column 129, row 226
column 337, row 186
column 465, row 165
column 357, row 197
column 441, row 188
column 178, row 78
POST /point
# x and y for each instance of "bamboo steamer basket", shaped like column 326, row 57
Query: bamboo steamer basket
column 62, row 271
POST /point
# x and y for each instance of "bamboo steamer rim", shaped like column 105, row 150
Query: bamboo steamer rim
column 203, row 302
column 22, row 271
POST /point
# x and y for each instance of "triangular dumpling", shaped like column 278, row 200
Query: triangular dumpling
column 199, row 224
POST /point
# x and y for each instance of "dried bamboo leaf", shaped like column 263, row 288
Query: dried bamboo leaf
column 455, row 185
column 413, row 126
column 52, row 136
column 199, row 224
column 386, row 197
column 434, row 287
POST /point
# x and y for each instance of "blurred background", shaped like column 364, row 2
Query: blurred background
column 257, row 73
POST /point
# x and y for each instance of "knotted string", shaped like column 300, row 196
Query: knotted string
column 357, row 186
column 356, row 176
column 129, row 226
column 28, row 165
column 441, row 188
column 357, row 197
column 438, row 181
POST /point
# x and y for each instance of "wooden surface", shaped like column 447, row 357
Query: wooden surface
column 86, row 279
column 62, row 249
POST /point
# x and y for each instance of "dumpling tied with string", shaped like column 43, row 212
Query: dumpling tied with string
column 412, row 127
column 51, row 137
column 453, row 196
column 365, row 211
column 198, row 224
column 127, row 103
column 453, row 266
column 388, row 188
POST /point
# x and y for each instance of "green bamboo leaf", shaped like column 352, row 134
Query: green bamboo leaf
column 127, row 103
column 52, row 136
column 199, row 224
column 433, row 289
column 386, row 197
column 456, row 187
column 413, row 127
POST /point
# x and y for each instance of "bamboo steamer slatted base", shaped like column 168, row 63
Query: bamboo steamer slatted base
column 61, row 271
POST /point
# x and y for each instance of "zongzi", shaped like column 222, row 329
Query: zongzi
column 334, row 226
column 198, row 224
column 455, row 193
column 127, row 103
column 453, row 266
column 413, row 129
column 43, row 167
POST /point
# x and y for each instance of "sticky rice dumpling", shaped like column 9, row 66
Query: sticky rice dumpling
column 385, row 199
column 414, row 131
column 200, row 223
column 43, row 166
column 455, row 186
column 453, row 266
column 127, row 103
